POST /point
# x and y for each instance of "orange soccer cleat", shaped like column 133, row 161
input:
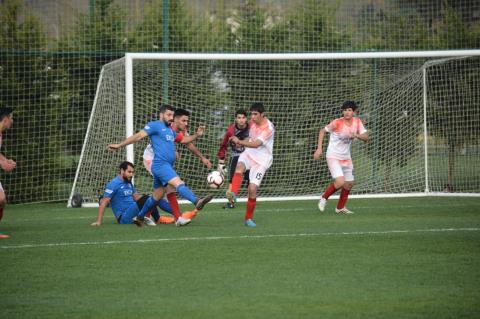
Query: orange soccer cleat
column 4, row 236
column 166, row 220
column 190, row 214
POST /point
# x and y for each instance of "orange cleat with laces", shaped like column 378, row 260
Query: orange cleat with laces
column 190, row 214
column 166, row 220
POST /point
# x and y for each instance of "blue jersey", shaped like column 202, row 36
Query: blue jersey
column 120, row 193
column 162, row 138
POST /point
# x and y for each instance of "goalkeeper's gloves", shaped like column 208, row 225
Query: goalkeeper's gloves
column 221, row 167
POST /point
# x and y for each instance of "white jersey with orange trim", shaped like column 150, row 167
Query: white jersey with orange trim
column 263, row 154
column 341, row 137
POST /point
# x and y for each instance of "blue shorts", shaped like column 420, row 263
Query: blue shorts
column 162, row 174
column 127, row 216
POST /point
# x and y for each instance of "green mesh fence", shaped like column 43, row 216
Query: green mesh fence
column 51, row 54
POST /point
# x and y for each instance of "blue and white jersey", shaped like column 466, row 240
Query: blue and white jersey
column 120, row 193
column 162, row 138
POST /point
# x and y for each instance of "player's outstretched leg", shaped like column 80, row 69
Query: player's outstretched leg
column 329, row 191
column 149, row 204
column 321, row 204
column 190, row 214
column 199, row 204
column 236, row 183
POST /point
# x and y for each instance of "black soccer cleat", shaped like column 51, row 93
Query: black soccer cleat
column 138, row 221
column 228, row 206
column 203, row 201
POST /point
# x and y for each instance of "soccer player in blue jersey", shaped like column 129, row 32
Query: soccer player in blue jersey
column 163, row 140
column 122, row 197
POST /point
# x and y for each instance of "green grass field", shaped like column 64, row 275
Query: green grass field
column 395, row 258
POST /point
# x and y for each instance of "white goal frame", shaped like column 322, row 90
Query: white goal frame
column 129, row 105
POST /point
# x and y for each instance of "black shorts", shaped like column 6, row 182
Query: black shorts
column 142, row 201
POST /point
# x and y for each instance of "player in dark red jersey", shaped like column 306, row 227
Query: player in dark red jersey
column 240, row 130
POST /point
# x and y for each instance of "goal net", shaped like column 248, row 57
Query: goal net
column 422, row 115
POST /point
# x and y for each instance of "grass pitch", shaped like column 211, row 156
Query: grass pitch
column 395, row 258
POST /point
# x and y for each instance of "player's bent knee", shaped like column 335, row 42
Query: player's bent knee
column 348, row 185
column 339, row 182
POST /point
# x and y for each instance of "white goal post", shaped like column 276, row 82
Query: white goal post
column 411, row 102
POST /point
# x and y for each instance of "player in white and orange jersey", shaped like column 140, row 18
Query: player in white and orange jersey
column 342, row 132
column 257, row 157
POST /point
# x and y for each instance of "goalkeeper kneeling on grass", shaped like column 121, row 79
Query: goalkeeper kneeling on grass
column 342, row 132
column 122, row 197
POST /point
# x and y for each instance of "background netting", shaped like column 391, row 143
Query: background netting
column 52, row 51
column 299, row 101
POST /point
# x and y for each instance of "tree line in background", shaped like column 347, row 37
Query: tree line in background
column 52, row 83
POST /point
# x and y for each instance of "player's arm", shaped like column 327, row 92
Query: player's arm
column 192, row 148
column 136, row 196
column 101, row 211
column 7, row 164
column 319, row 150
column 222, row 151
column 190, row 138
column 129, row 140
column 362, row 137
column 247, row 143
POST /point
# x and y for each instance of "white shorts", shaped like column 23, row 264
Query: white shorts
column 1, row 188
column 341, row 168
column 148, row 165
column 257, row 171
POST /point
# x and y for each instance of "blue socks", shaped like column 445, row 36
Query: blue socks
column 165, row 206
column 147, row 206
column 186, row 193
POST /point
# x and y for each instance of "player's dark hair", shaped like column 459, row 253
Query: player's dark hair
column 181, row 112
column 164, row 107
column 349, row 105
column 257, row 107
column 124, row 165
column 240, row 111
column 5, row 111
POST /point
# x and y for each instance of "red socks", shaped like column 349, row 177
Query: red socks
column 252, row 202
column 329, row 191
column 172, row 200
column 343, row 198
column 236, row 182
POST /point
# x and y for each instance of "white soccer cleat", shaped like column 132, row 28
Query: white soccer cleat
column 322, row 203
column 149, row 222
column 343, row 210
column 182, row 221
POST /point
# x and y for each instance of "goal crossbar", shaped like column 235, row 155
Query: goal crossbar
column 302, row 56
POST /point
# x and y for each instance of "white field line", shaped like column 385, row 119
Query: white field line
column 267, row 236
column 227, row 211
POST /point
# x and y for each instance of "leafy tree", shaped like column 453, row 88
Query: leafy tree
column 95, row 40
column 399, row 28
column 35, row 89
column 454, row 115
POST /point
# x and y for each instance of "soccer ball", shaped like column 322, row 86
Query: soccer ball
column 215, row 179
